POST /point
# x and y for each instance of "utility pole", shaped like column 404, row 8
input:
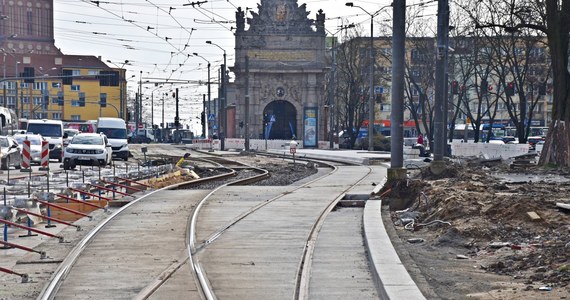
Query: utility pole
column 247, row 103
column 440, row 142
column 205, row 120
column 177, row 119
column 397, row 170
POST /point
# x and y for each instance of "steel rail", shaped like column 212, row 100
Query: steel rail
column 302, row 281
column 49, row 291
column 197, row 270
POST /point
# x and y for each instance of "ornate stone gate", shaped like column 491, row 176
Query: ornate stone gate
column 285, row 74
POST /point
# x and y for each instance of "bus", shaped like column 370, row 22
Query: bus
column 466, row 132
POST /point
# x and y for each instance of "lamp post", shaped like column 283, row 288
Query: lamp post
column 122, row 82
column 223, row 99
column 209, row 92
column 371, row 90
column 137, row 104
column 152, row 105
column 331, row 96
column 16, row 75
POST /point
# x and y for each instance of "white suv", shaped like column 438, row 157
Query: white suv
column 87, row 148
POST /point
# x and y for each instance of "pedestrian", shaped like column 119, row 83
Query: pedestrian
column 420, row 145
column 420, row 139
column 182, row 160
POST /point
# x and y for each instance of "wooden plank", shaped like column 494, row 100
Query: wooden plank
column 533, row 216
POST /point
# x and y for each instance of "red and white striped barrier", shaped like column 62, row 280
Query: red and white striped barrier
column 26, row 154
column 45, row 155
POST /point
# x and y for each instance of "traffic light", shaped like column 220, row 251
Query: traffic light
column 203, row 118
column 103, row 100
column 82, row 99
column 176, row 122
column 455, row 87
column 510, row 90
column 240, row 124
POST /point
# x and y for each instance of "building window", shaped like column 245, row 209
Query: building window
column 26, row 114
column 24, row 85
column 93, row 72
column 55, row 85
column 75, row 117
column 10, row 85
column 386, row 51
column 54, row 100
column 29, row 23
column 385, row 107
column 11, row 100
column 56, row 116
column 41, row 86
column 38, row 100
column 76, row 72
column 75, row 103
column 76, row 87
column 25, row 100
column 41, row 115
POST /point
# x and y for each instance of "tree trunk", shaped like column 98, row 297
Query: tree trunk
column 557, row 144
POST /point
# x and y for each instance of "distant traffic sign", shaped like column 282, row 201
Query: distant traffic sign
column 211, row 117
column 272, row 118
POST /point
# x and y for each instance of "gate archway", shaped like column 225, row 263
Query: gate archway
column 284, row 116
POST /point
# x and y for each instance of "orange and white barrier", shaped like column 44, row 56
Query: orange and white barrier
column 26, row 154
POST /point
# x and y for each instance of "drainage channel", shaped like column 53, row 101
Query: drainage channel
column 353, row 200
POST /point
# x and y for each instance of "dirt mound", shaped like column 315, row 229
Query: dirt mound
column 509, row 228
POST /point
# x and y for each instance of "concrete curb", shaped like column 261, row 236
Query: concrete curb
column 392, row 277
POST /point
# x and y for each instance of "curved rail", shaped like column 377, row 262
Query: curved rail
column 203, row 282
column 198, row 273
column 49, row 291
column 304, row 271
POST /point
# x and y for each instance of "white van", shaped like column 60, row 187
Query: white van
column 116, row 131
column 52, row 131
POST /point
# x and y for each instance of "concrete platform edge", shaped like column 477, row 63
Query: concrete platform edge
column 394, row 281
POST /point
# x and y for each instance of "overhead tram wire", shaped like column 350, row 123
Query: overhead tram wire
column 135, row 23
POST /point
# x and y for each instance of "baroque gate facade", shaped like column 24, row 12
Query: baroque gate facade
column 280, row 64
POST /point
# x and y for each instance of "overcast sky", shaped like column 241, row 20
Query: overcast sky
column 158, row 37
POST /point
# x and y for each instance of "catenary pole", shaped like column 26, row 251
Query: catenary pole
column 397, row 170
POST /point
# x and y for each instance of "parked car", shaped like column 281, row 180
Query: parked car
column 52, row 131
column 9, row 153
column 35, row 145
column 533, row 140
column 116, row 131
column 87, row 149
column 71, row 132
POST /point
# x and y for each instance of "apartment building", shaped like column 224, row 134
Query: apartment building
column 39, row 81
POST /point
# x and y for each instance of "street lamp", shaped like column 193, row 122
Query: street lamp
column 152, row 105
column 122, row 82
column 209, row 92
column 332, row 98
column 371, row 90
column 223, row 99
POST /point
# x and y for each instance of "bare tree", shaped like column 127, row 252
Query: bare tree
column 351, row 88
column 551, row 18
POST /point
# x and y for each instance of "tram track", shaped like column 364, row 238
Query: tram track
column 233, row 175
column 50, row 290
